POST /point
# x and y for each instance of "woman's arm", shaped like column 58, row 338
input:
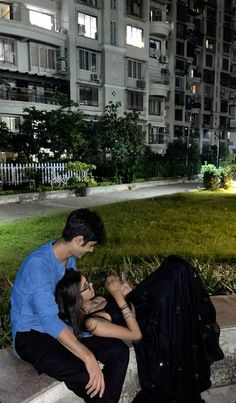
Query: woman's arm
column 104, row 328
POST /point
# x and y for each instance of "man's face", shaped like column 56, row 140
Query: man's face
column 79, row 248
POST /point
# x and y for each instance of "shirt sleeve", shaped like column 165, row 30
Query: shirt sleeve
column 41, row 289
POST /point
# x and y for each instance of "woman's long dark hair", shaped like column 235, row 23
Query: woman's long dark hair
column 69, row 299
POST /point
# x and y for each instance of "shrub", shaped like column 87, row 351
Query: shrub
column 226, row 176
column 216, row 178
column 211, row 177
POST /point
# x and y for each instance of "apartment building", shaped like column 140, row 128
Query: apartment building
column 169, row 60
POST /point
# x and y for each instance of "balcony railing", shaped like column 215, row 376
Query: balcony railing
column 26, row 95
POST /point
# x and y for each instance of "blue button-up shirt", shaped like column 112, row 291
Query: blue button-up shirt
column 33, row 304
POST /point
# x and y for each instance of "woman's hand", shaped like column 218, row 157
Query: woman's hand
column 125, row 287
column 113, row 285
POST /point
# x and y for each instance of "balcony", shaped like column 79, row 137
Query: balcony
column 27, row 23
column 28, row 95
column 159, row 28
column 159, row 87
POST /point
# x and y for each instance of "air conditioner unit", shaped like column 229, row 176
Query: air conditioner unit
column 157, row 53
column 94, row 77
column 61, row 53
column 163, row 59
column 61, row 66
column 141, row 84
column 164, row 72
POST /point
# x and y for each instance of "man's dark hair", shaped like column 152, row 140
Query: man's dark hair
column 85, row 223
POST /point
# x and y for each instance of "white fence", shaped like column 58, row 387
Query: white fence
column 54, row 174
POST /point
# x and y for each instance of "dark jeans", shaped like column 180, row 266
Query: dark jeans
column 49, row 356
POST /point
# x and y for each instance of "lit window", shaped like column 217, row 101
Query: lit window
column 12, row 123
column 88, row 95
column 7, row 50
column 193, row 89
column 5, row 11
column 87, row 60
column 41, row 19
column 135, row 69
column 87, row 26
column 134, row 36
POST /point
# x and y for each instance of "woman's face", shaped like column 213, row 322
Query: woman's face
column 86, row 289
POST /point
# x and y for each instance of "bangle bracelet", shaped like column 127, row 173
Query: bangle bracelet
column 128, row 315
column 123, row 307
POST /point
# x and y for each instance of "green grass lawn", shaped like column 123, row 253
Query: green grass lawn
column 198, row 225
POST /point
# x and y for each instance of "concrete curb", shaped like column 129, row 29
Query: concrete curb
column 90, row 191
column 35, row 196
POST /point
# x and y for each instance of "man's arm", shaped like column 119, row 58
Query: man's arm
column 96, row 380
column 39, row 286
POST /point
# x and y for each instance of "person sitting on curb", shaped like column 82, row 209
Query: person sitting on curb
column 43, row 339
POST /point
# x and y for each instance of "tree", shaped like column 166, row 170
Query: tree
column 182, row 158
column 6, row 137
column 118, row 140
column 49, row 135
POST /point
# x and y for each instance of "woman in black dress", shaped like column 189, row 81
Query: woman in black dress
column 170, row 317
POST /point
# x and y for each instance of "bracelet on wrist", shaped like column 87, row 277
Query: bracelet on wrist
column 123, row 307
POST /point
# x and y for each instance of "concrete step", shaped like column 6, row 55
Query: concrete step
column 20, row 383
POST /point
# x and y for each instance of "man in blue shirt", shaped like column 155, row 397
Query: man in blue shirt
column 44, row 340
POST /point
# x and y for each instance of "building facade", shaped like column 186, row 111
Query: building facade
column 172, row 61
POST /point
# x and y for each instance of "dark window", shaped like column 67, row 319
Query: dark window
column 209, row 60
column 155, row 14
column 182, row 12
column 211, row 29
column 225, row 64
column 208, row 76
column 227, row 34
column 180, row 65
column 155, row 105
column 179, row 98
column 178, row 114
column 211, row 14
column 226, row 48
column 224, row 107
column 223, row 122
column 224, row 79
column 135, row 100
column 88, row 95
column 180, row 30
column 207, row 104
column 134, row 8
column 180, row 48
column 207, row 120
column 228, row 5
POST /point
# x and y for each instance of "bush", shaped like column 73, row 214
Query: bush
column 226, row 176
column 216, row 178
column 211, row 177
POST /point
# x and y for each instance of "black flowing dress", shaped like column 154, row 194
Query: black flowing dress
column 180, row 334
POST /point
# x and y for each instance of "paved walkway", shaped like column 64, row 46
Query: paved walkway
column 18, row 211
column 225, row 394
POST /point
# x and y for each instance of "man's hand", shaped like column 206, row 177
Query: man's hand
column 96, row 382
